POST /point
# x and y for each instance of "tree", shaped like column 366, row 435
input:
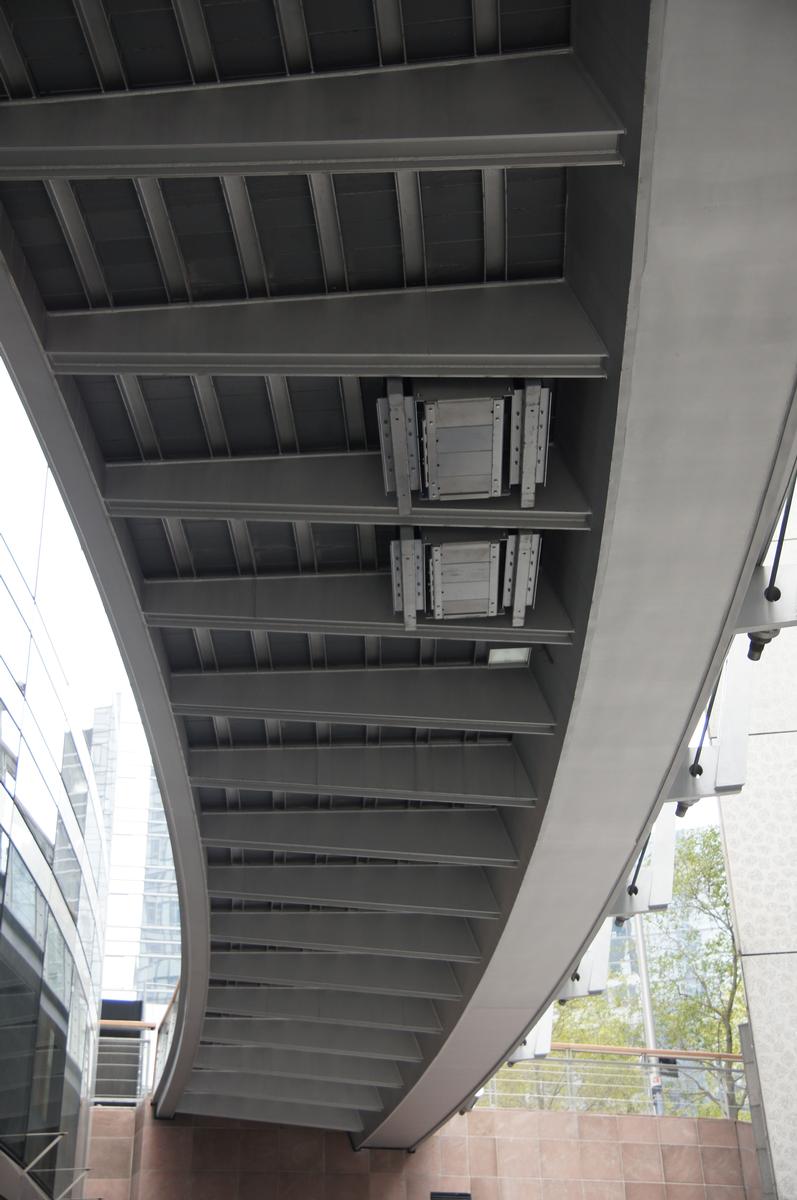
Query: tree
column 697, row 995
column 696, row 983
column 613, row 1017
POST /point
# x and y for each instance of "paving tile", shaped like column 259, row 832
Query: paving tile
column 560, row 1160
column 682, row 1164
column 483, row 1156
column 644, row 1191
column 677, row 1131
column 454, row 1158
column 563, row 1189
column 106, row 1189
column 425, row 1160
column 638, row 1129
column 486, row 1188
column 340, row 1158
column 481, row 1122
column 213, row 1185
column 518, row 1158
column 392, row 1161
column 641, row 1162
column 520, row 1189
column 111, row 1157
column 715, row 1132
column 387, row 1187
column 346, row 1187
column 257, row 1185
column 516, row 1123
column 557, row 1125
column 420, row 1187
column 164, row 1185
column 458, row 1124
column 685, row 1191
column 165, row 1147
column 298, row 1185
column 259, row 1150
column 600, row 1160
column 597, row 1127
column 301, row 1150
column 721, row 1164
column 112, row 1122
column 604, row 1189
column 216, row 1150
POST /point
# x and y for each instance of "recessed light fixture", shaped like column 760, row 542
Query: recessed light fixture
column 500, row 655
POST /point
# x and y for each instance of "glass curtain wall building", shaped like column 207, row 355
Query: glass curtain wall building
column 53, row 867
column 142, row 953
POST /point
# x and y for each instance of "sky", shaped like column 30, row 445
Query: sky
column 65, row 592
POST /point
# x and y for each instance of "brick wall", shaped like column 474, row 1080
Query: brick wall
column 495, row 1155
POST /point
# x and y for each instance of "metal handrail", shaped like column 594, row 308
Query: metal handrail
column 108, row 1023
column 165, row 1033
column 637, row 1051
column 623, row 1079
column 141, row 1047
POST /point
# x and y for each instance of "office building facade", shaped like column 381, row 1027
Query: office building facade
column 53, row 874
column 142, row 947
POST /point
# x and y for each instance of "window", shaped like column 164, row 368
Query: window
column 14, row 638
column 66, row 869
column 36, row 803
column 9, row 749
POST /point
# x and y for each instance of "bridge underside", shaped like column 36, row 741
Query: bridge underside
column 415, row 678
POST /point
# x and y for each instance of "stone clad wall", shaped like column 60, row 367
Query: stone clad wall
column 493, row 1154
column 760, row 832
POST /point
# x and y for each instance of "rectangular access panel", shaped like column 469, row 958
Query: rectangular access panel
column 464, row 439
column 446, row 574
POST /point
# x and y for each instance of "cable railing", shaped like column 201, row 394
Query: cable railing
column 624, row 1079
column 163, row 1038
column 123, row 1062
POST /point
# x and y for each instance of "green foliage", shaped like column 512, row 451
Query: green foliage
column 695, row 975
column 696, row 984
column 612, row 1018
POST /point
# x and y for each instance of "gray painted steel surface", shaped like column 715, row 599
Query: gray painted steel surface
column 201, row 306
column 537, row 110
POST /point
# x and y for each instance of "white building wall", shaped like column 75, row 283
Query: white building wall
column 760, row 831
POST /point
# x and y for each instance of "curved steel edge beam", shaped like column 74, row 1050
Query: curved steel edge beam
column 705, row 442
column 56, row 415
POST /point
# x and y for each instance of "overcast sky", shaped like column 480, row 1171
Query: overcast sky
column 65, row 591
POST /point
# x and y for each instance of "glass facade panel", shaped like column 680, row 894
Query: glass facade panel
column 94, row 846
column 22, row 935
column 67, row 869
column 85, row 921
column 23, row 900
column 36, row 802
column 45, row 707
column 15, row 642
column 142, row 946
column 57, row 963
column 46, row 1029
column 9, row 749
column 49, row 985
column 75, row 781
